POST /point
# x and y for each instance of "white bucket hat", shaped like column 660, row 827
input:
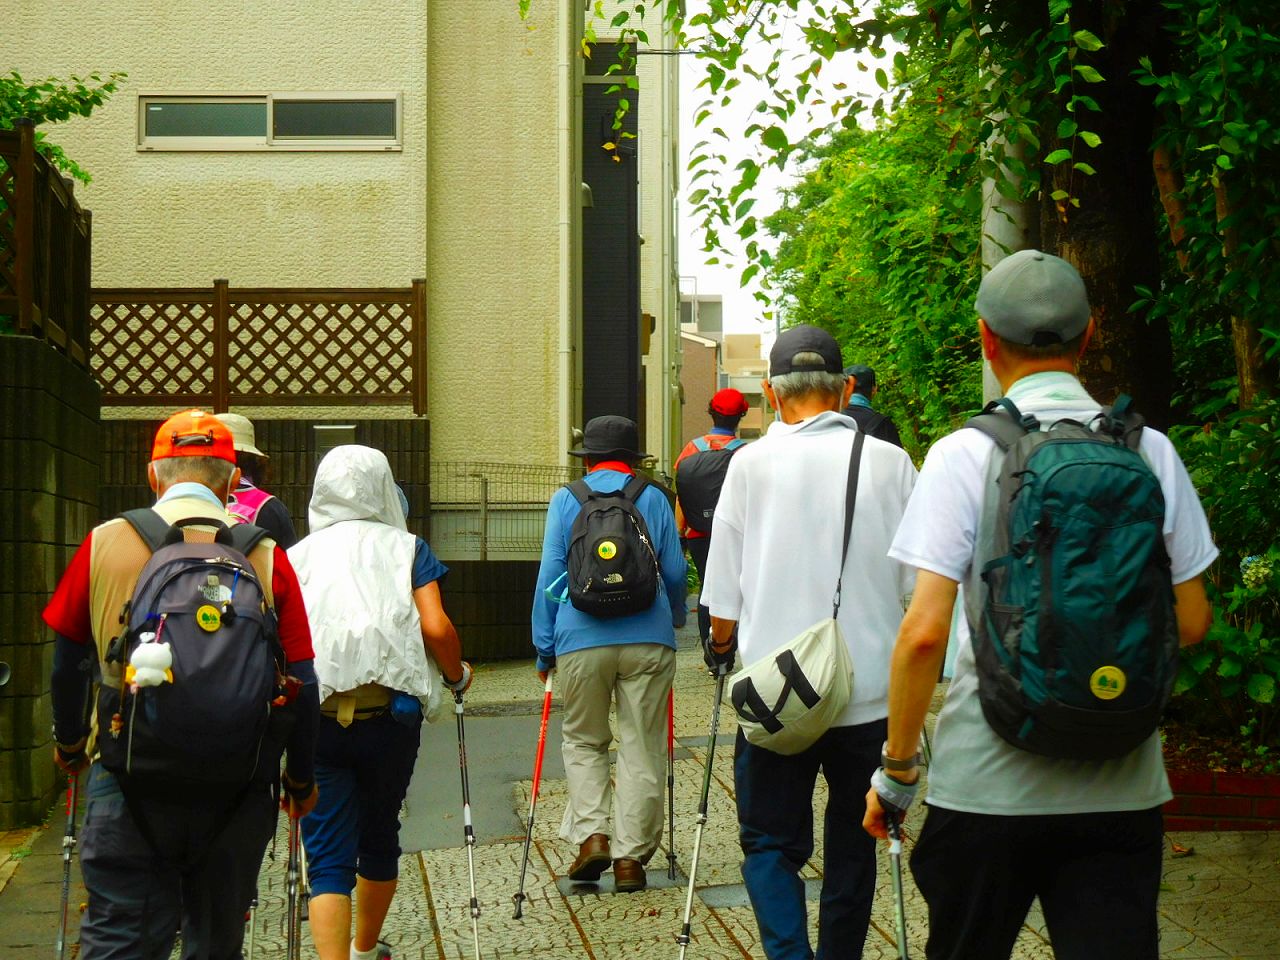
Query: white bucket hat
column 241, row 433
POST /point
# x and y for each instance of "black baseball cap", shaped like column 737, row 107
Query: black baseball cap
column 865, row 376
column 804, row 339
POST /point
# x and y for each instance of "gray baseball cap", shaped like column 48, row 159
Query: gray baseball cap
column 1034, row 298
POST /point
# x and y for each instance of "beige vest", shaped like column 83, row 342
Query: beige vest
column 118, row 555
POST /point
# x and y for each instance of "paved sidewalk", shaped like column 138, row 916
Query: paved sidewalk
column 1222, row 901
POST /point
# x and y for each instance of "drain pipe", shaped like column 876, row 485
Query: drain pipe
column 569, row 190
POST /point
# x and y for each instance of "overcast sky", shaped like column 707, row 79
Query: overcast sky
column 742, row 312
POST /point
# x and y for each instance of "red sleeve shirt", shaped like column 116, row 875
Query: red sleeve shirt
column 68, row 610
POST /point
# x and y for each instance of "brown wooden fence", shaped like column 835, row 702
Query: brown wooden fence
column 45, row 241
column 225, row 345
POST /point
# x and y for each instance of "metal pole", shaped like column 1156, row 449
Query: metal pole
column 468, row 830
column 895, row 863
column 519, row 897
column 484, row 518
column 68, row 851
column 671, row 783
column 682, row 937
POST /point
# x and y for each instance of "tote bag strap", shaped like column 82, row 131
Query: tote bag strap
column 751, row 706
column 850, row 501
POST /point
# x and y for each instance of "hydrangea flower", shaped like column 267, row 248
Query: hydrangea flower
column 1256, row 571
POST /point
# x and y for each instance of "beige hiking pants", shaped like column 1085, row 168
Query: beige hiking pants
column 638, row 676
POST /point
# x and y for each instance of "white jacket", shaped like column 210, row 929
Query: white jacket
column 355, row 567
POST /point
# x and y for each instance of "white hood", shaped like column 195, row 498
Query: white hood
column 355, row 570
column 354, row 483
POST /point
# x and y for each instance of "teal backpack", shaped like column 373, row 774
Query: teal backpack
column 1073, row 629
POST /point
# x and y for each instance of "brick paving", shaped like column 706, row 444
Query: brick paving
column 1222, row 901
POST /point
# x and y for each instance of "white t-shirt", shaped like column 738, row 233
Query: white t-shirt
column 974, row 770
column 775, row 548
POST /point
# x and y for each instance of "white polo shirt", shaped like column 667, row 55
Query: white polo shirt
column 974, row 770
column 775, row 548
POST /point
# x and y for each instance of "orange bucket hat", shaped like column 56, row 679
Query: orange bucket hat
column 194, row 433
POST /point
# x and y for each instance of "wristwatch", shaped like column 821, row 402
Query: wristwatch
column 894, row 764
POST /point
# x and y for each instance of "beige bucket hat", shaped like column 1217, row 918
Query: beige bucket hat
column 242, row 433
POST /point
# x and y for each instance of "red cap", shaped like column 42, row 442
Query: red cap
column 729, row 402
column 194, row 433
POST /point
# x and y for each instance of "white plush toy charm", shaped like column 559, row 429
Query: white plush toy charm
column 150, row 666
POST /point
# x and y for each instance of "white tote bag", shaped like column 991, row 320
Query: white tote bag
column 787, row 700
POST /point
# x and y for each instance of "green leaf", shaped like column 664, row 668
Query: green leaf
column 1066, row 128
column 775, row 138
column 1058, row 156
column 1084, row 168
column 1087, row 73
column 1230, row 666
column 1229, row 145
column 1086, row 40
column 1059, row 195
column 1090, row 138
column 1262, row 688
column 882, row 78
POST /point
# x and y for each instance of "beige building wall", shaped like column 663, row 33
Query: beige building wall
column 698, row 377
column 470, row 202
column 257, row 218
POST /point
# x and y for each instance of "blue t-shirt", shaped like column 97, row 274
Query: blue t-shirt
column 426, row 565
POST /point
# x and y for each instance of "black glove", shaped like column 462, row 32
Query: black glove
column 719, row 663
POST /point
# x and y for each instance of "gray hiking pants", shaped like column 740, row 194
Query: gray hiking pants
column 204, row 881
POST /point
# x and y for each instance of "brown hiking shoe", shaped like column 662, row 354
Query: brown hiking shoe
column 628, row 876
column 592, row 860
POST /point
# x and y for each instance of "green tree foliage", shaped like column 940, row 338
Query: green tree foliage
column 879, row 244
column 54, row 101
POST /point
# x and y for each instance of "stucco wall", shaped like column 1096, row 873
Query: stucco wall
column 258, row 218
column 698, row 377
column 492, row 233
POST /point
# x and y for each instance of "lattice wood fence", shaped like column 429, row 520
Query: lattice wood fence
column 45, row 241
column 222, row 345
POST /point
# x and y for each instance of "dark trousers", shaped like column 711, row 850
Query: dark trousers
column 1097, row 876
column 775, row 817
column 204, row 880
column 698, row 548
column 363, row 772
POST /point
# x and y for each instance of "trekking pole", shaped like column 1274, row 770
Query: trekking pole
column 519, row 897
column 293, row 934
column 253, row 926
column 68, row 850
column 468, row 830
column 671, row 783
column 895, row 863
column 304, row 911
column 682, row 938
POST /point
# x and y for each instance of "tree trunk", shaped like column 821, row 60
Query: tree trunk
column 1253, row 373
column 1112, row 237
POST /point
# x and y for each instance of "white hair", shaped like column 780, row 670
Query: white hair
column 212, row 472
column 788, row 386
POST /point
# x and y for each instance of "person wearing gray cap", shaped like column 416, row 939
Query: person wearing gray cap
column 250, row 503
column 1014, row 814
column 805, row 516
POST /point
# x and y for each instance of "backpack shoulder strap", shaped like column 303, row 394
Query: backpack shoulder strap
column 734, row 444
column 1123, row 422
column 635, row 486
column 701, row 444
column 581, row 492
column 1005, row 428
column 149, row 525
column 246, row 536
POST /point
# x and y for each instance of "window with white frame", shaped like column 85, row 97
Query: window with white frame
column 270, row 121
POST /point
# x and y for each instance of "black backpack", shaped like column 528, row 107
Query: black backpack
column 1074, row 633
column 613, row 568
column 699, row 479
column 213, row 722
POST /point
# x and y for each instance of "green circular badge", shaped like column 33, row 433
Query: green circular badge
column 607, row 550
column 1107, row 683
column 208, row 618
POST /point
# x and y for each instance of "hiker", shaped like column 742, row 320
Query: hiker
column 699, row 486
column 869, row 420
column 772, row 572
column 162, row 849
column 250, row 503
column 1029, row 811
column 627, row 571
column 382, row 638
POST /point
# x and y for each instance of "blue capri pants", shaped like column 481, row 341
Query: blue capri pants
column 363, row 773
